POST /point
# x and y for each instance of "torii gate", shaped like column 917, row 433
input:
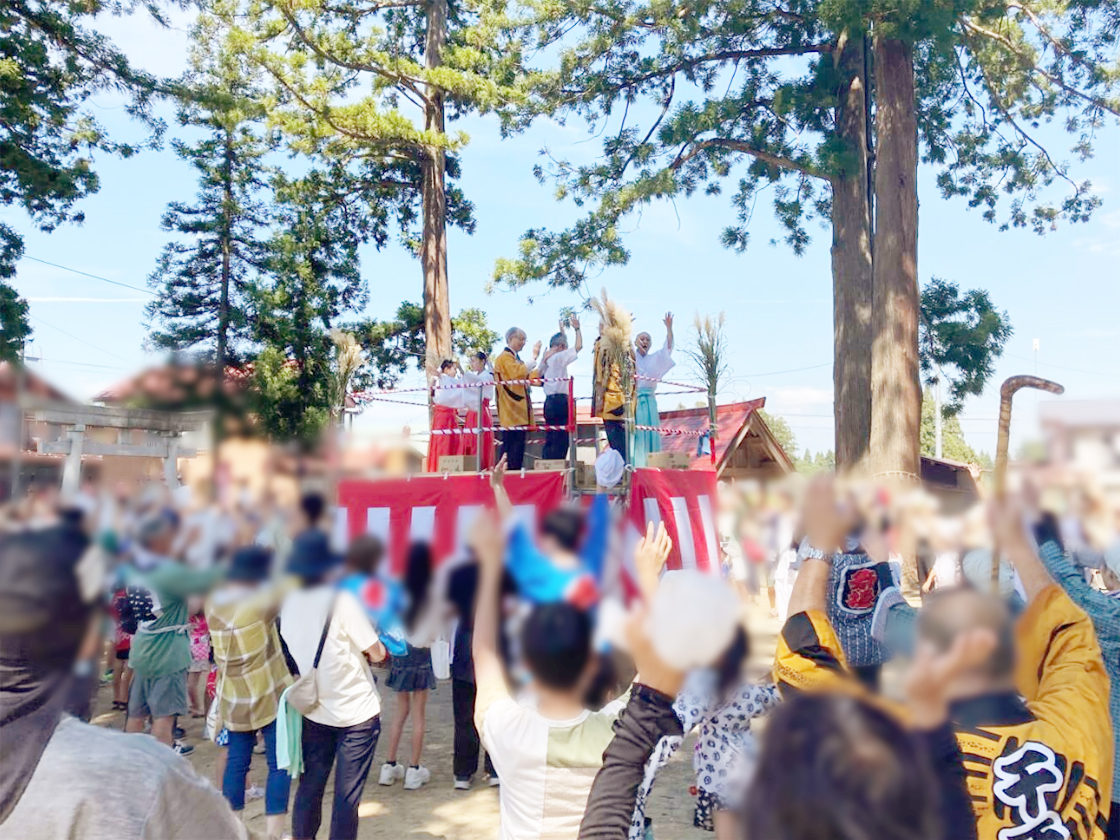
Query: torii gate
column 170, row 425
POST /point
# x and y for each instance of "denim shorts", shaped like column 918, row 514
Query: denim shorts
column 158, row 697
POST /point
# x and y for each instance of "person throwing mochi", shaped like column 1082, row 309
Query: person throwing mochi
column 650, row 367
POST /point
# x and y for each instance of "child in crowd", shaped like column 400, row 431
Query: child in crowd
column 122, row 641
column 721, row 704
column 546, row 746
column 411, row 675
column 199, row 635
column 382, row 597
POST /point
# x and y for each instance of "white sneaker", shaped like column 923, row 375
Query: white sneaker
column 417, row 777
column 494, row 781
column 390, row 773
column 253, row 793
column 462, row 784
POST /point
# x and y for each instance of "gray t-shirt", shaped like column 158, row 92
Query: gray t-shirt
column 102, row 784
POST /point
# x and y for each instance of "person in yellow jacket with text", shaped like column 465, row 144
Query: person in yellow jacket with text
column 515, row 408
column 1031, row 720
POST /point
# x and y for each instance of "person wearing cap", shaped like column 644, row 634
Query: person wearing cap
column 160, row 654
column 515, row 408
column 319, row 621
column 252, row 674
column 61, row 778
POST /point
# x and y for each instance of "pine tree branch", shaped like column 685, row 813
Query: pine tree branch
column 397, row 78
column 724, row 55
column 1028, row 64
column 1020, row 131
column 745, row 148
column 1054, row 42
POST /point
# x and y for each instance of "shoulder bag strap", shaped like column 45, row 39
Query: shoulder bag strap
column 323, row 638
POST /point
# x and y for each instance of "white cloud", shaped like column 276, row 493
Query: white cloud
column 800, row 397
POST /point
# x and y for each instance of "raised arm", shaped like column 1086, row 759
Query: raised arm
column 487, row 542
column 669, row 331
column 579, row 335
column 501, row 498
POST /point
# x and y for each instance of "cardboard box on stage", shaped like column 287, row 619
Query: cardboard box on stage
column 458, row 463
column 585, row 476
column 669, row 460
column 552, row 464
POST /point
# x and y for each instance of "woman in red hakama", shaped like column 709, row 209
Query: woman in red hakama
column 446, row 402
column 481, row 374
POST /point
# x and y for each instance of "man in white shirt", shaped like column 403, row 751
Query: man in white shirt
column 555, row 367
column 651, row 368
column 344, row 727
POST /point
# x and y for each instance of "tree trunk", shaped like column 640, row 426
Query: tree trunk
column 223, row 308
column 852, row 266
column 896, row 394
column 433, row 249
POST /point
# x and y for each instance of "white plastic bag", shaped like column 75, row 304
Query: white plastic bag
column 441, row 658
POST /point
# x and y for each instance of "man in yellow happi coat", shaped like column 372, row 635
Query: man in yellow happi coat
column 515, row 408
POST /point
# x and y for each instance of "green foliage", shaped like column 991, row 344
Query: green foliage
column 395, row 346
column 204, row 278
column 963, row 335
column 783, row 434
column 810, row 464
column 14, row 328
column 313, row 279
column 52, row 61
column 278, row 400
column 740, row 96
column 953, row 445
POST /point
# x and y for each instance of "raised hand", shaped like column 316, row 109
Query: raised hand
column 668, row 320
column 574, row 321
column 536, row 350
column 498, row 474
column 650, row 555
column 822, row 518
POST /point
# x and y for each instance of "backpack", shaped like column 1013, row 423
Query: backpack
column 138, row 606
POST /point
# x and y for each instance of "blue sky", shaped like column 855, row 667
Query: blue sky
column 1063, row 289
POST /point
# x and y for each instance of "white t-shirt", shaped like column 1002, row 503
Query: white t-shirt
column 556, row 367
column 546, row 766
column 653, row 365
column 347, row 692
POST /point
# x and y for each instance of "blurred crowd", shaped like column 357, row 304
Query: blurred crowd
column 937, row 674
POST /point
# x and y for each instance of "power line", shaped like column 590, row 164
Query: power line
column 779, row 372
column 81, row 364
column 1063, row 367
column 94, row 276
column 82, row 340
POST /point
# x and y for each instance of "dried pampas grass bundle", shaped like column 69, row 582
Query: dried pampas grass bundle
column 617, row 324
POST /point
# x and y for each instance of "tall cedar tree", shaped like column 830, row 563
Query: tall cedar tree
column 51, row 62
column 203, row 278
column 377, row 82
column 749, row 94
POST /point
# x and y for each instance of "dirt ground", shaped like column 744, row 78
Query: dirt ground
column 439, row 811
